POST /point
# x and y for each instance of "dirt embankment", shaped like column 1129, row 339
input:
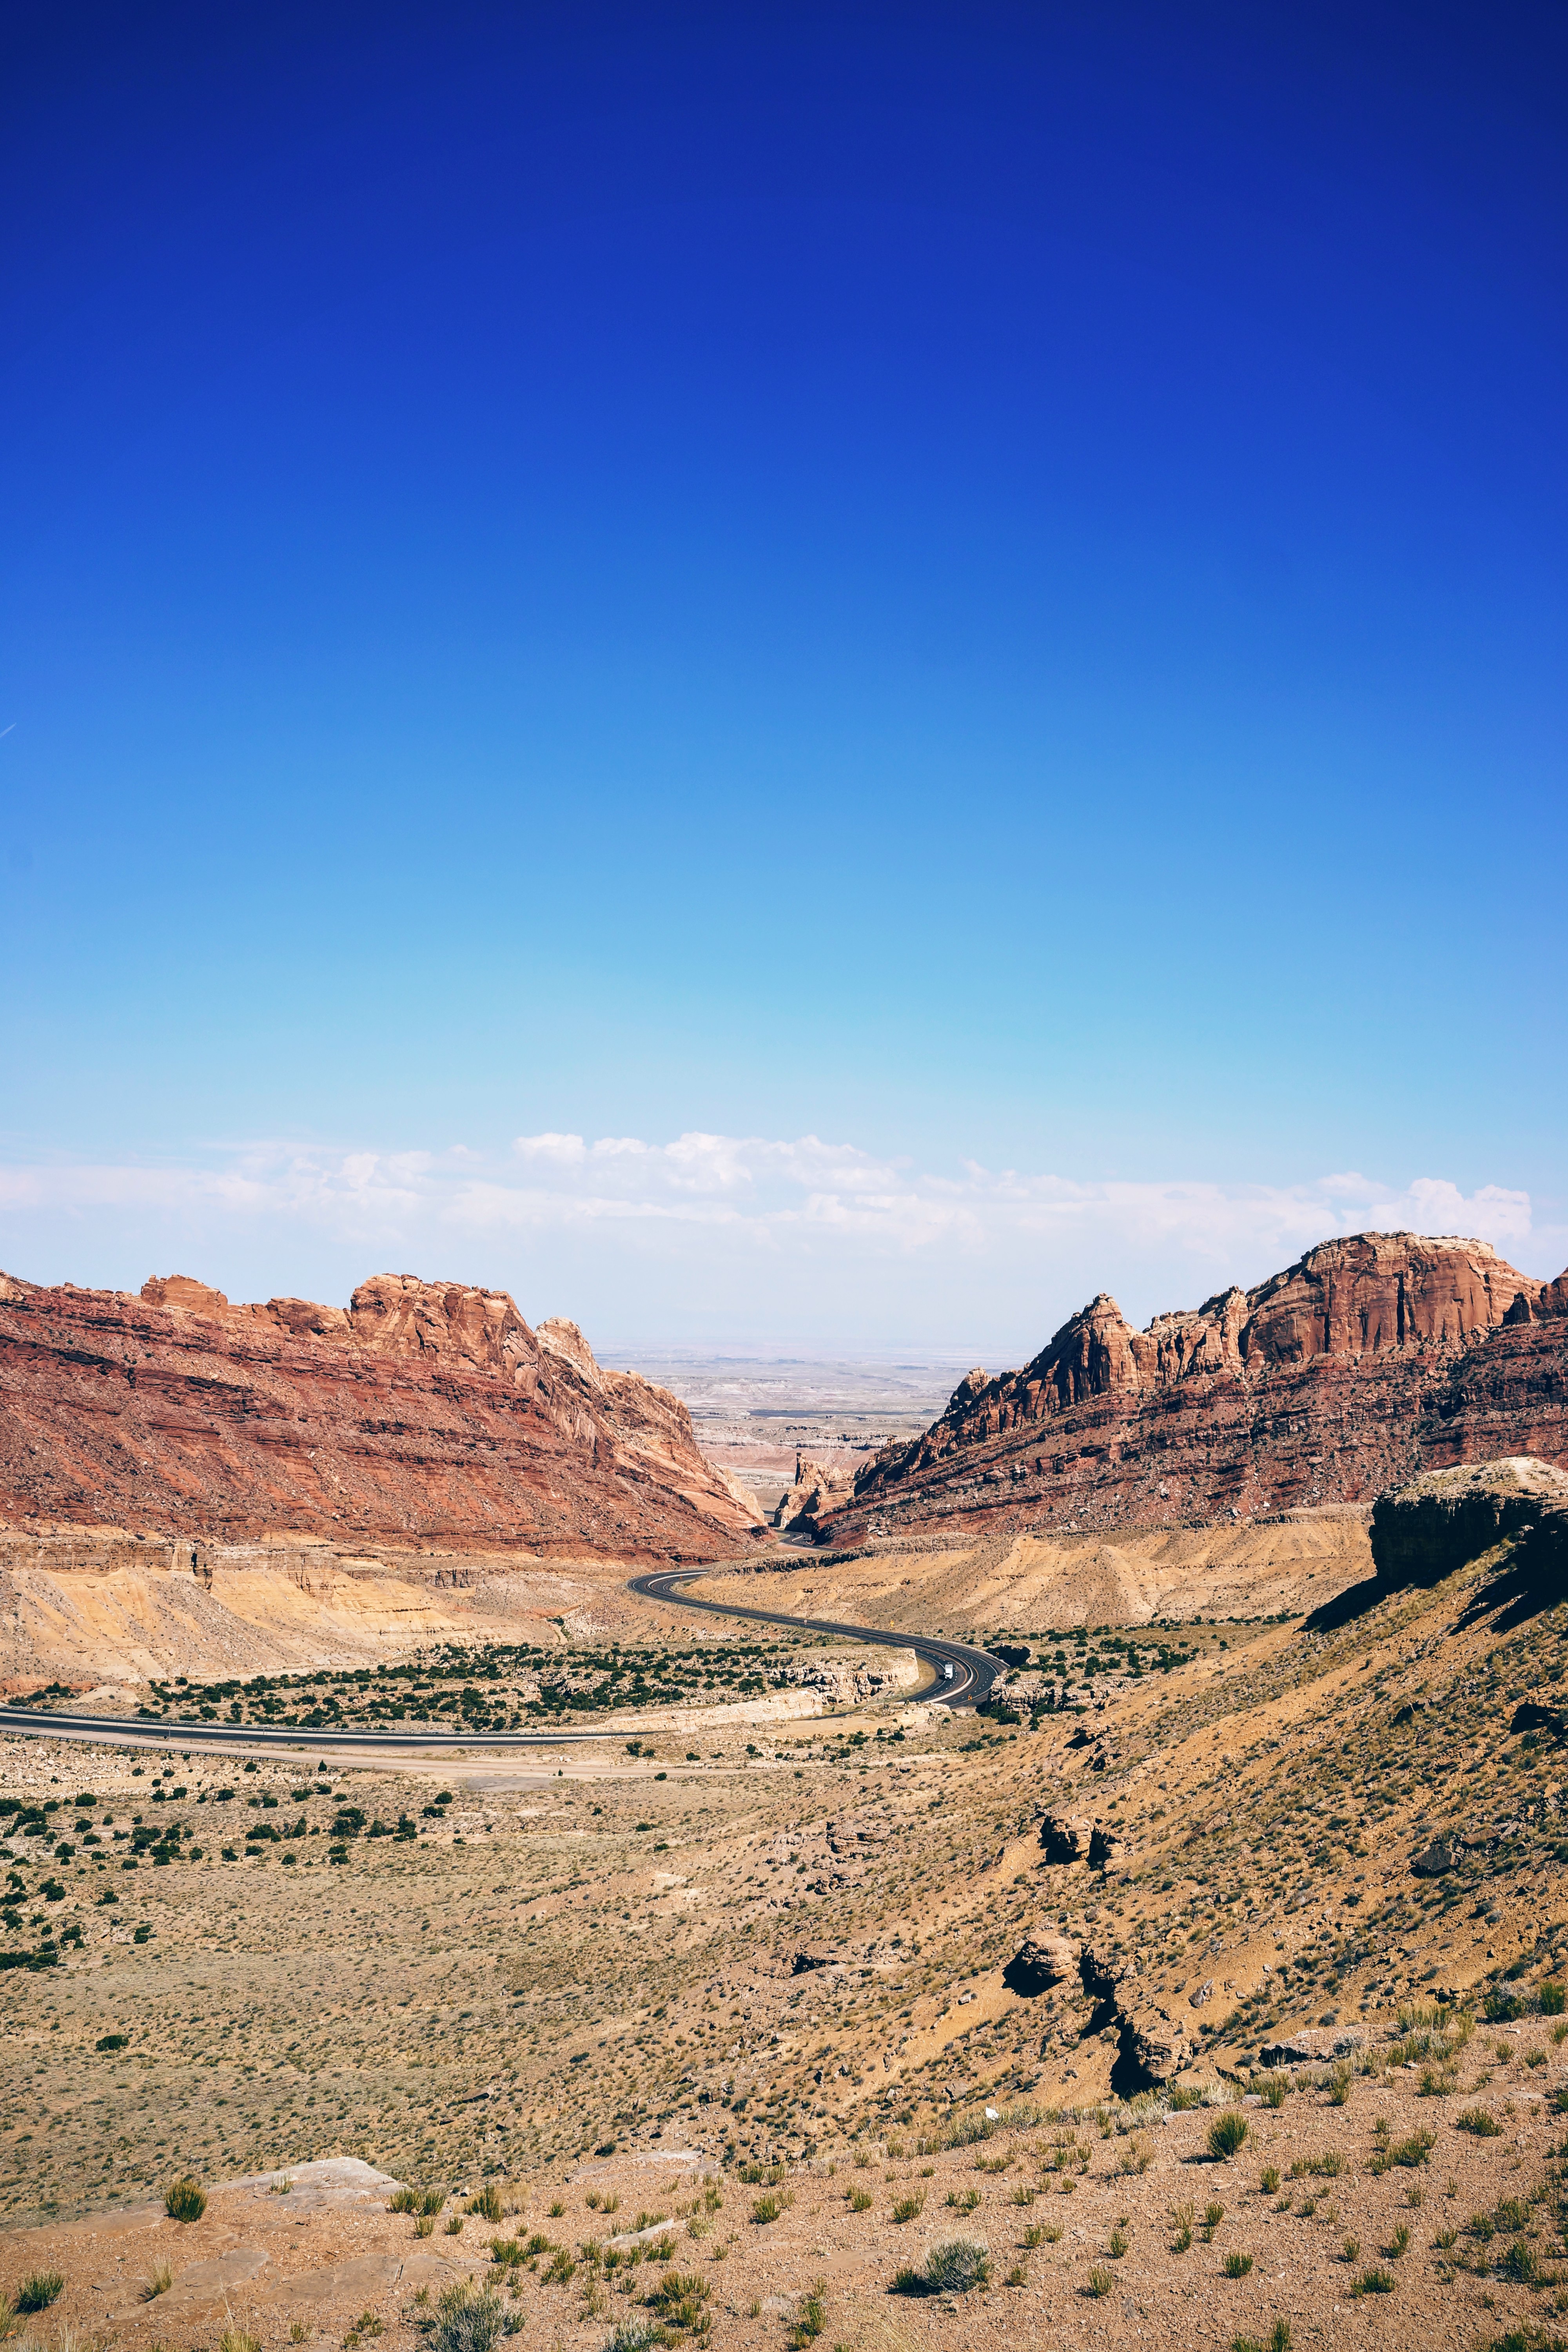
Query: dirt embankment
column 1292, row 1564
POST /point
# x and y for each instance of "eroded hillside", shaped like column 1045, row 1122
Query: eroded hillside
column 422, row 1413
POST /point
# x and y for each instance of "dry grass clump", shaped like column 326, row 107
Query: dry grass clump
column 468, row 2318
column 37, row 2291
column 184, row 2200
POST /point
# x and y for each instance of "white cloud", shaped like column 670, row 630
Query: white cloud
column 749, row 1221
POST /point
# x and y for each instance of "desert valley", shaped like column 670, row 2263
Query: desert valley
column 415, row 1930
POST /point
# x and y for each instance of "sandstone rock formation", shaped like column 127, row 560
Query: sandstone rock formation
column 818, row 1490
column 1153, row 2045
column 1041, row 1960
column 1065, row 1837
column 1447, row 1518
column 422, row 1413
column 1370, row 1360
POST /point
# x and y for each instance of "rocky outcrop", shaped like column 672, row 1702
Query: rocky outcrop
column 1312, row 2047
column 1445, row 1519
column 818, row 1490
column 1370, row 1360
column 424, row 1412
column 1064, row 1837
column 1153, row 2045
column 1042, row 1960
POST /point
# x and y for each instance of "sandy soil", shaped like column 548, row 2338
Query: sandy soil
column 784, row 1945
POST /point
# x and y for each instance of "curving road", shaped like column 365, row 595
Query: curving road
column 973, row 1672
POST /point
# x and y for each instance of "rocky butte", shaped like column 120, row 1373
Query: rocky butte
column 1370, row 1359
column 421, row 1413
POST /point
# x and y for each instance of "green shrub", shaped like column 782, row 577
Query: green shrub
column 1480, row 2124
column 957, row 2265
column 468, row 2318
column 184, row 2200
column 1374, row 2281
column 432, row 2201
column 767, row 2208
column 1409, row 2152
column 487, row 2202
column 1237, row 2265
column 113, row 2041
column 1226, row 2133
column 38, row 2290
column 402, row 2200
column 1273, row 2089
column 909, row 2208
column 1279, row 2340
column 1099, row 2282
column 1553, row 1999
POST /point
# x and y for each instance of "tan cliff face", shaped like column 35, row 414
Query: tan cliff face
column 1371, row 1357
column 425, row 1412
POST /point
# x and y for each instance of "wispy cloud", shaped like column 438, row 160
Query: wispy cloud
column 775, row 1196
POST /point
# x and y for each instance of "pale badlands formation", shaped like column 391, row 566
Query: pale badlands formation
column 1370, row 1361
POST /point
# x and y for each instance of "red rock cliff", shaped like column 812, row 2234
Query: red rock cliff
column 1369, row 1359
column 423, row 1411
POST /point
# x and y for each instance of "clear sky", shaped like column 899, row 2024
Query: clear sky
column 781, row 671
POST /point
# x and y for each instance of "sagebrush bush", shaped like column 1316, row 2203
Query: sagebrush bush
column 957, row 2265
column 184, row 2200
column 1226, row 2133
column 468, row 2318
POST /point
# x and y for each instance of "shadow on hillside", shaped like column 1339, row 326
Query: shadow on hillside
column 1523, row 1584
column 1346, row 1607
column 1520, row 1589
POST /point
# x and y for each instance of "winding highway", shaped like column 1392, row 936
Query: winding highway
column 973, row 1672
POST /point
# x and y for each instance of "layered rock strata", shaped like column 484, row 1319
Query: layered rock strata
column 1445, row 1519
column 1369, row 1361
column 424, row 1412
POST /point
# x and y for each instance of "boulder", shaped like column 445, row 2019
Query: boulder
column 809, row 1956
column 1104, row 1973
column 1444, row 1518
column 1108, row 1849
column 1044, row 1958
column 1435, row 1860
column 1155, row 2042
column 1312, row 2047
column 1065, row 1837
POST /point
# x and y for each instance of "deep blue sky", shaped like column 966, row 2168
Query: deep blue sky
column 985, row 585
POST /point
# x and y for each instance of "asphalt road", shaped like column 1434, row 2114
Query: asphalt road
column 973, row 1672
